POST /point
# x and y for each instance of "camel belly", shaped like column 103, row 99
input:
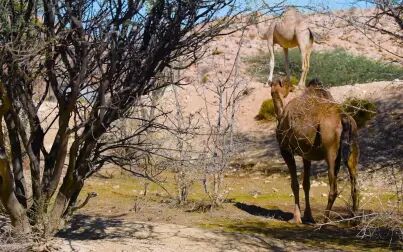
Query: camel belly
column 286, row 40
column 304, row 145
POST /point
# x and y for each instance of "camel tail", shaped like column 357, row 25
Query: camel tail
column 315, row 37
column 346, row 138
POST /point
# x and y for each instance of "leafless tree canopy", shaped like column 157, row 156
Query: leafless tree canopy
column 98, row 59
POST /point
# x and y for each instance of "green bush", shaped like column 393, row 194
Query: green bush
column 333, row 68
column 360, row 109
column 266, row 112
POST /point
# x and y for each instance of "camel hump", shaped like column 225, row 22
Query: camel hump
column 291, row 14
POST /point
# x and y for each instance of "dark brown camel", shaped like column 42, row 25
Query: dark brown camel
column 314, row 127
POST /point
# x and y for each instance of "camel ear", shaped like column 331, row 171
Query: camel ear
column 281, row 82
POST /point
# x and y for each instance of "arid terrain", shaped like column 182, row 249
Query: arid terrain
column 259, row 202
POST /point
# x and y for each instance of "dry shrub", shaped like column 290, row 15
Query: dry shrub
column 216, row 51
column 361, row 110
column 9, row 240
column 266, row 112
column 204, row 79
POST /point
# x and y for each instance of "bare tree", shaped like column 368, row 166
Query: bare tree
column 221, row 93
column 98, row 58
column 384, row 17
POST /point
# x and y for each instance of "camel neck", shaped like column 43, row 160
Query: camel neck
column 278, row 105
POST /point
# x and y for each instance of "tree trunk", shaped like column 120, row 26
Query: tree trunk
column 16, row 156
column 17, row 213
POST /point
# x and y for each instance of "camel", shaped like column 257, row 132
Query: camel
column 289, row 32
column 314, row 127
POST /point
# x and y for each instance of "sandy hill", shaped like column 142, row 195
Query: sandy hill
column 220, row 61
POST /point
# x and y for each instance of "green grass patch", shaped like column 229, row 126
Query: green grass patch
column 266, row 111
column 360, row 109
column 333, row 68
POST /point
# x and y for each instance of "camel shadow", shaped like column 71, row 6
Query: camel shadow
column 260, row 211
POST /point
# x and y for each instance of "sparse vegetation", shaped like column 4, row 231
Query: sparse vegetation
column 361, row 110
column 266, row 112
column 334, row 68
column 216, row 51
column 204, row 79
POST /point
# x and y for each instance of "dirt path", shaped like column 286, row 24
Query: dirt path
column 122, row 235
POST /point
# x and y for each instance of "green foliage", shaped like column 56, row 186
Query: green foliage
column 266, row 112
column 294, row 80
column 360, row 109
column 333, row 68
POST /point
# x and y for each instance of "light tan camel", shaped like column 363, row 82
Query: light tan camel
column 314, row 127
column 289, row 32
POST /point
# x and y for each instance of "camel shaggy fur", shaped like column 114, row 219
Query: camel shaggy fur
column 314, row 127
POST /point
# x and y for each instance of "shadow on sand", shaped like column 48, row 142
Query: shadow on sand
column 260, row 211
column 322, row 237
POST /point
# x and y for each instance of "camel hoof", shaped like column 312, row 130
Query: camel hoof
column 309, row 220
column 295, row 221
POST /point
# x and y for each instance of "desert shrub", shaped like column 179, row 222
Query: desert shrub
column 294, row 80
column 216, row 51
column 204, row 79
column 361, row 110
column 266, row 111
column 333, row 68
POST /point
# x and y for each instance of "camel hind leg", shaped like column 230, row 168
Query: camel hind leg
column 352, row 169
column 307, row 185
column 305, row 44
column 333, row 159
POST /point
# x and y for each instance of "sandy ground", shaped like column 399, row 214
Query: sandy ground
column 139, row 236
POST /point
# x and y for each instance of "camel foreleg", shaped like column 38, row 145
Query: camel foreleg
column 271, row 64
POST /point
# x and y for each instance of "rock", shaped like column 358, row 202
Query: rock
column 116, row 186
column 323, row 183
column 267, row 181
column 324, row 195
column 290, row 195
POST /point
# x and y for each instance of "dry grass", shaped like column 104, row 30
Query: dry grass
column 361, row 110
column 266, row 112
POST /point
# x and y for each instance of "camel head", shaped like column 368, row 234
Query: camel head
column 280, row 88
